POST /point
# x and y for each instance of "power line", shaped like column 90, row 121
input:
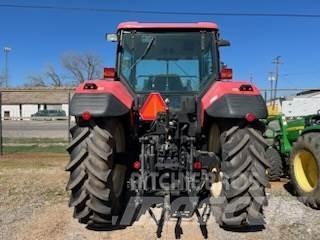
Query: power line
column 114, row 10
column 298, row 74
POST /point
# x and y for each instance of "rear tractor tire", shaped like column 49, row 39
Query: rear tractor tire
column 305, row 169
column 96, row 181
column 244, row 168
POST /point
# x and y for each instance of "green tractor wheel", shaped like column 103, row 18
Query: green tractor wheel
column 276, row 168
column 305, row 169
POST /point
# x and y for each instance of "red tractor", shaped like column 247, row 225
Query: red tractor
column 167, row 128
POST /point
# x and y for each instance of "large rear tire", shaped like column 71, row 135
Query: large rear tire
column 96, row 181
column 244, row 167
column 305, row 169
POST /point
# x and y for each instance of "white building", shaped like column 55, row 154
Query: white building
column 303, row 104
column 22, row 103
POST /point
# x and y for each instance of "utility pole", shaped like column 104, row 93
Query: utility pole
column 251, row 77
column 6, row 68
column 271, row 78
column 276, row 62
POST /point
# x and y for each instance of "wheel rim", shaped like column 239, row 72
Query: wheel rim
column 118, row 179
column 214, row 139
column 306, row 170
column 119, row 171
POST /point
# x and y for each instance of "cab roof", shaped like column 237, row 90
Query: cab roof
column 196, row 25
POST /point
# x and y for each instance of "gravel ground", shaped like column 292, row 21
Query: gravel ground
column 33, row 205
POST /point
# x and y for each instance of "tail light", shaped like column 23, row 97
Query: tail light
column 86, row 116
column 250, row 117
column 136, row 165
column 197, row 165
column 109, row 72
column 226, row 73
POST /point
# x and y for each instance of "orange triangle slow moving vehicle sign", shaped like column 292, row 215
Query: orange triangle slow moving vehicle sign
column 152, row 106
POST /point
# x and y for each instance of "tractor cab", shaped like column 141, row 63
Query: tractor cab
column 167, row 58
column 178, row 61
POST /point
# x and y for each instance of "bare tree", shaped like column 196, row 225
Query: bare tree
column 36, row 80
column 55, row 79
column 82, row 66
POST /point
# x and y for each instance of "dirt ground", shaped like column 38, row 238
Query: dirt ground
column 34, row 205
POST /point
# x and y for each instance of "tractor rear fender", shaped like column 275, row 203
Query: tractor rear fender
column 315, row 128
column 232, row 99
column 101, row 98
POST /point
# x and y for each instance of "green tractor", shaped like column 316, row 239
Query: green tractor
column 281, row 134
column 295, row 152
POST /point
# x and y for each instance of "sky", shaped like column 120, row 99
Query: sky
column 39, row 37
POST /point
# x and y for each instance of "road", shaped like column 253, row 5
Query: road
column 35, row 129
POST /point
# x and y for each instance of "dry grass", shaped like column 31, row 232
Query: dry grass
column 24, row 162
column 26, row 177
column 27, row 182
column 32, row 160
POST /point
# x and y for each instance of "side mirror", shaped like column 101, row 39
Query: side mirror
column 223, row 43
column 112, row 37
column 226, row 73
column 109, row 72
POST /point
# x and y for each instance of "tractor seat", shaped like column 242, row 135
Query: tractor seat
column 161, row 82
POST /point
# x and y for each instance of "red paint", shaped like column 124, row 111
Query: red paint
column 86, row 116
column 197, row 25
column 116, row 88
column 220, row 88
column 152, row 106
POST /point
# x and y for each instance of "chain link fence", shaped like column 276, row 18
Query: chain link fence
column 35, row 120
